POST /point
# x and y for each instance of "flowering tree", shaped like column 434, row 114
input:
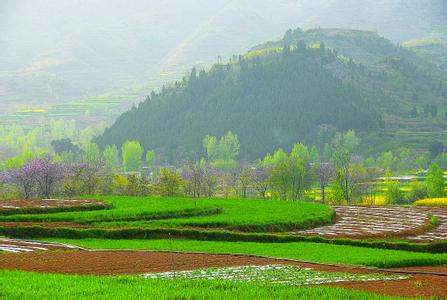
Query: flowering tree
column 40, row 172
column 46, row 174
column 23, row 178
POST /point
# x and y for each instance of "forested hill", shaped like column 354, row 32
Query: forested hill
column 273, row 97
column 269, row 101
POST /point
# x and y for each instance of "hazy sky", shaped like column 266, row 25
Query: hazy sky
column 78, row 47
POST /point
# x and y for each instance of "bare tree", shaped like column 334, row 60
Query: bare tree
column 210, row 181
column 245, row 179
column 324, row 173
column 195, row 176
column 260, row 180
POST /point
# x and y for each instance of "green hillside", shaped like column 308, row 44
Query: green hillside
column 273, row 98
column 431, row 49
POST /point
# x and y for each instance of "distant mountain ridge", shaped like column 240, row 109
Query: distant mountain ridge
column 53, row 52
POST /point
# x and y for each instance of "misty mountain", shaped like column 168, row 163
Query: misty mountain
column 55, row 51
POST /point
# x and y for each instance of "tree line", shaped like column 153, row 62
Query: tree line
column 336, row 171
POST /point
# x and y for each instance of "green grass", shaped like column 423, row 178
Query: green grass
column 245, row 215
column 24, row 285
column 124, row 208
column 315, row 252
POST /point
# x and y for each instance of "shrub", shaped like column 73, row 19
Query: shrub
column 434, row 221
column 417, row 191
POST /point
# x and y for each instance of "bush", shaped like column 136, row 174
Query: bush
column 8, row 191
column 417, row 191
column 434, row 221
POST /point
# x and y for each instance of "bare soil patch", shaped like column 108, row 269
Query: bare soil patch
column 137, row 262
column 426, row 286
column 6, row 205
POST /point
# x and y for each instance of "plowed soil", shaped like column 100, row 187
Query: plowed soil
column 139, row 262
column 135, row 262
column 426, row 286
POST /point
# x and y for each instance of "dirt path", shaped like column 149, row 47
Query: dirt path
column 44, row 224
column 140, row 262
column 434, row 269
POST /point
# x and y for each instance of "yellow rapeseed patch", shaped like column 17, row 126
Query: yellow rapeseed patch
column 376, row 200
column 32, row 110
column 432, row 202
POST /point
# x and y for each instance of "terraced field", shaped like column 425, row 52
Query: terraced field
column 17, row 246
column 230, row 214
column 167, row 266
column 11, row 207
column 439, row 233
column 370, row 221
column 233, row 243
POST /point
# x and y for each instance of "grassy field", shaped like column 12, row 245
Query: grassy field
column 24, row 285
column 314, row 252
column 123, row 208
column 245, row 215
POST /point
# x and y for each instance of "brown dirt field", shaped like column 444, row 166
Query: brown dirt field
column 135, row 262
column 434, row 269
column 45, row 203
column 139, row 262
column 416, row 286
